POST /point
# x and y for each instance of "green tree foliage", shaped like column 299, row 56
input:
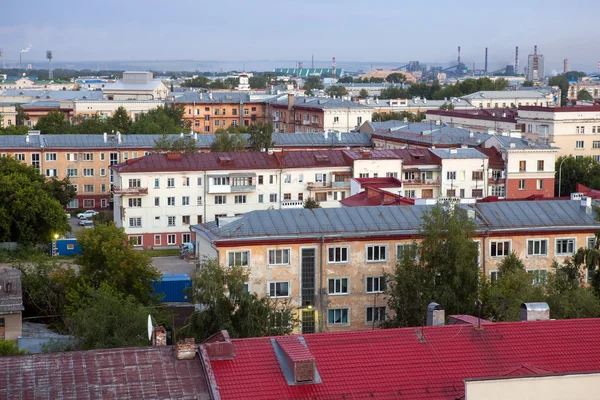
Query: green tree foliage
column 178, row 144
column 94, row 125
column 584, row 95
column 10, row 348
column 108, row 257
column 396, row 77
column 53, row 123
column 21, row 115
column 563, row 84
column 363, row 94
column 61, row 190
column 336, row 90
column 346, row 79
column 589, row 259
column 226, row 305
column 261, row 135
column 312, row 82
column 163, row 119
column 261, row 81
column 29, row 214
column 375, row 80
column 398, row 116
column 14, row 130
column 120, row 121
column 225, row 142
column 311, row 203
column 106, row 318
column 575, row 75
column 447, row 106
column 528, row 84
column 197, row 82
column 502, row 298
column 584, row 170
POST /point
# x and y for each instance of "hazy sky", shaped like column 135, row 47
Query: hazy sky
column 351, row 30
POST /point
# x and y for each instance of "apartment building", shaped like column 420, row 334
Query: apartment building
column 513, row 98
column 8, row 116
column 478, row 120
column 317, row 114
column 592, row 87
column 330, row 263
column 208, row 112
column 106, row 108
column 572, row 130
column 464, row 173
column 136, row 85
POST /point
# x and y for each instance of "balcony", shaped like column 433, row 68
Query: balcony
column 305, row 122
column 134, row 191
column 242, row 188
column 494, row 181
column 318, row 185
column 340, row 185
column 212, row 189
column 292, row 204
column 421, row 182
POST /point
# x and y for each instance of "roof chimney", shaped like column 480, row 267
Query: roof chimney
column 586, row 202
column 219, row 346
column 326, row 135
column 435, row 315
column 173, row 156
column 295, row 359
column 119, row 136
column 534, row 312
column 105, row 135
column 290, row 103
column 159, row 337
column 186, row 349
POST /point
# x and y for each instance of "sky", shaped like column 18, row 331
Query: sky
column 350, row 30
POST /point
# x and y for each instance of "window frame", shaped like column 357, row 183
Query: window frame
column 538, row 240
column 139, row 241
column 335, row 293
column 509, row 241
column 376, row 322
column 289, row 289
column 556, row 240
column 380, row 278
column 387, row 253
column 233, row 252
column 329, row 248
column 410, row 244
column 348, row 316
column 289, row 260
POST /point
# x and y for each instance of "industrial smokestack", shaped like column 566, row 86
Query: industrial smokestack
column 485, row 68
column 333, row 66
column 535, row 50
column 25, row 50
column 517, row 60
column 565, row 66
column 458, row 55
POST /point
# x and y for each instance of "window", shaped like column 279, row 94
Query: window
column 104, row 203
column 89, row 203
column 260, row 179
column 287, row 196
column 537, row 247
column 221, row 180
column 199, row 219
column 336, row 120
column 157, row 202
column 596, row 144
column 338, row 254
column 135, row 240
column 287, row 178
column 186, row 238
column 359, row 120
column 522, row 166
column 156, row 183
column 499, row 248
column 411, row 248
column 71, row 156
column 88, row 188
column 102, row 171
column 217, row 121
column 20, row 156
column 199, row 200
column 90, row 172
column 170, row 201
column 477, row 193
column 591, row 242
column 279, row 289
column 273, row 179
column 135, row 202
column 477, row 175
column 88, row 156
column 376, row 253
column 540, row 165
column 239, row 199
column 539, row 184
column 337, row 286
column 52, row 173
column 538, row 276
column 495, row 275
column 75, row 187
column 171, row 221
column 451, row 175
column 279, row 257
column 133, row 183
column 185, row 200
column 451, row 192
column 35, row 160
column 239, row 258
column 565, row 247
column 103, row 156
column 321, row 196
column 375, row 315
column 411, row 194
column 185, row 219
column 301, row 196
column 170, row 182
column 521, row 184
column 375, row 284
column 185, row 181
column 135, row 222
column 300, row 178
column 391, row 174
column 171, row 239
column 261, row 198
column 220, row 199
column 199, row 181
column 50, row 156
column 337, row 316
column 363, row 175
column 273, row 197
column 579, row 144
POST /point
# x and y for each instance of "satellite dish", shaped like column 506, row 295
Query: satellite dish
column 151, row 326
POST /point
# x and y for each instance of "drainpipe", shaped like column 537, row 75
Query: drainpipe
column 321, row 308
column 205, row 200
column 483, row 252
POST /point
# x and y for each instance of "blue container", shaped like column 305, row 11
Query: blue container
column 173, row 287
column 67, row 247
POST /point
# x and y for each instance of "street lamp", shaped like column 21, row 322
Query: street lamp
column 54, row 247
column 560, row 172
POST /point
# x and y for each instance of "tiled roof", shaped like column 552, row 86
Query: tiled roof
column 375, row 197
column 365, row 221
column 222, row 97
column 11, row 296
column 502, row 115
column 128, row 373
column 378, row 183
column 397, row 364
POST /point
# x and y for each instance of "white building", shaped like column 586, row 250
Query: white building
column 106, row 108
column 136, row 85
column 512, row 98
column 463, row 173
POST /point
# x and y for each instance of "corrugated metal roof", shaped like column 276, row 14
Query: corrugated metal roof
column 507, row 94
column 11, row 296
column 53, row 94
column 322, row 102
column 365, row 221
column 458, row 153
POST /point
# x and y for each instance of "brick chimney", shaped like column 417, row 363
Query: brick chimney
column 290, row 104
column 159, row 337
column 173, row 156
column 186, row 349
column 219, row 346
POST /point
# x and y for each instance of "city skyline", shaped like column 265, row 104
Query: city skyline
column 350, row 31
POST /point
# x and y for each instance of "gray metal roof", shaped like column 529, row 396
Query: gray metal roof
column 119, row 85
column 53, row 94
column 458, row 153
column 223, row 97
column 506, row 143
column 375, row 221
column 322, row 102
column 11, row 297
column 507, row 94
column 427, row 133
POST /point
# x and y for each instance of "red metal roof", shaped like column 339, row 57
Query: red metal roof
column 128, row 373
column 378, row 183
column 395, row 364
column 494, row 157
column 313, row 158
column 561, row 109
column 593, row 193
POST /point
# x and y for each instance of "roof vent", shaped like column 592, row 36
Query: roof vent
column 173, row 156
column 321, row 158
column 435, row 314
column 513, row 145
column 225, row 160
column 296, row 361
column 534, row 312
column 453, row 151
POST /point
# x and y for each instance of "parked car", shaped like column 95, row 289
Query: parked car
column 87, row 214
column 83, row 220
column 87, row 223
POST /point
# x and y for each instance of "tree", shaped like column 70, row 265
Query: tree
column 589, row 258
column 10, row 348
column 563, row 84
column 227, row 305
column 163, row 119
column 528, row 84
column 260, row 82
column 312, row 82
column 585, row 171
column 197, row 82
column 311, row 203
column 336, row 91
column 584, row 95
column 396, row 77
column 363, row 94
column 106, row 318
column 29, row 214
column 502, row 298
column 178, row 144
column 575, row 75
column 375, row 80
column 346, row 79
column 261, row 136
column 108, row 257
column 14, row 130
column 393, row 92
column 61, row 190
column 22, row 116
column 52, row 123
column 225, row 142
column 120, row 120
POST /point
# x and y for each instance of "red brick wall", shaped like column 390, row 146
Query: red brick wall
column 513, row 192
column 148, row 239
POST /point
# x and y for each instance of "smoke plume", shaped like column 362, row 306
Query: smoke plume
column 26, row 49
